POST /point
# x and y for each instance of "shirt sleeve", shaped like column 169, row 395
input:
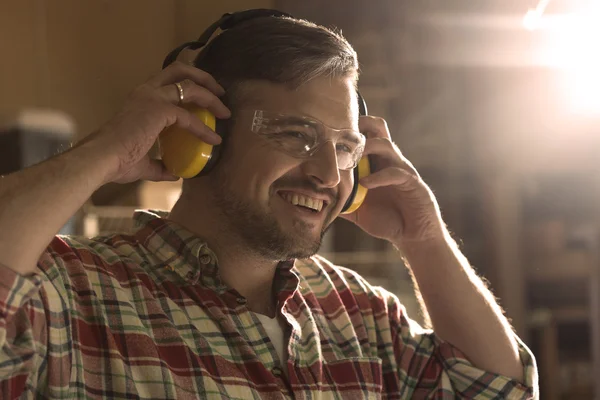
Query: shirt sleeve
column 22, row 327
column 31, row 312
column 433, row 368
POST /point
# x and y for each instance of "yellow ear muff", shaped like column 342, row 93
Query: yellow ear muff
column 183, row 153
column 359, row 192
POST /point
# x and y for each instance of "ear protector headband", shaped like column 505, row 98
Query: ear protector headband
column 186, row 156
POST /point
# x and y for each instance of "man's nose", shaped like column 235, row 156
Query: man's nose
column 323, row 165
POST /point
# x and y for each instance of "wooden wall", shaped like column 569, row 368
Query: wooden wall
column 83, row 57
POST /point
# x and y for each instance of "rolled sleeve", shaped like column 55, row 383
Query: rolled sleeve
column 15, row 291
column 433, row 368
column 474, row 383
column 18, row 341
column 34, row 332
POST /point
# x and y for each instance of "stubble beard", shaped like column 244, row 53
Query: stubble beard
column 260, row 230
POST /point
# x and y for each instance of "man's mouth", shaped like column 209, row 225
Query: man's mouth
column 304, row 201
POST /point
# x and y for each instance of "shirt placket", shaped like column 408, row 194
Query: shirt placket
column 252, row 330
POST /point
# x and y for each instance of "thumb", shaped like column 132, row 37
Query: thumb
column 389, row 176
column 155, row 171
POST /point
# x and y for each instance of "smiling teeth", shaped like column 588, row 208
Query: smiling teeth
column 305, row 201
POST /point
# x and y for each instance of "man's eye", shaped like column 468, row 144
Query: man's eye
column 294, row 134
column 344, row 148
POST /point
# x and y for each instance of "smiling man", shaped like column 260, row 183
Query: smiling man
column 223, row 296
column 266, row 190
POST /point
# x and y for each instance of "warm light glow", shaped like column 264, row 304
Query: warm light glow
column 577, row 52
column 582, row 86
column 573, row 46
column 532, row 19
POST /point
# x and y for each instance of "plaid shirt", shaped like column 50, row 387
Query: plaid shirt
column 146, row 316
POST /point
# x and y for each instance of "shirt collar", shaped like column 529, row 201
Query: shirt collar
column 182, row 252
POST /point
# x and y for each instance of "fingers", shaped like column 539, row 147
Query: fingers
column 188, row 121
column 153, row 170
column 179, row 71
column 384, row 151
column 374, row 127
column 199, row 96
column 383, row 147
column 390, row 176
column 199, row 88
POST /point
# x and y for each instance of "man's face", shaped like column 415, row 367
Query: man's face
column 265, row 194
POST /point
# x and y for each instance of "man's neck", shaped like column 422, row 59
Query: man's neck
column 240, row 267
column 250, row 275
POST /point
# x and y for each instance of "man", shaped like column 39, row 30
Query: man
column 223, row 296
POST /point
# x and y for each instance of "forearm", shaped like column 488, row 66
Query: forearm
column 36, row 202
column 462, row 310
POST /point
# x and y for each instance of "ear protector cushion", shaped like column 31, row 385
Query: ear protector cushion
column 183, row 153
column 359, row 192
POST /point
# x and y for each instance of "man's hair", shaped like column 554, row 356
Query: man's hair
column 277, row 49
column 281, row 50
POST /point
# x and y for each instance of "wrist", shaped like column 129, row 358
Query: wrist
column 436, row 242
column 98, row 161
column 429, row 255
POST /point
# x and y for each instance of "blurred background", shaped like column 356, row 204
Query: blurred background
column 496, row 102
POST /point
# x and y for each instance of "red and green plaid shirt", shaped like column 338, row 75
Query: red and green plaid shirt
column 145, row 316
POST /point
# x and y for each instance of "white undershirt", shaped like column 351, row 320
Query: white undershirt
column 276, row 332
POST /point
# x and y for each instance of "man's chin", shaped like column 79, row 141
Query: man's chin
column 304, row 252
column 290, row 251
column 305, row 245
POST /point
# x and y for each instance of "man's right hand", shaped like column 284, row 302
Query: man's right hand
column 37, row 201
column 127, row 138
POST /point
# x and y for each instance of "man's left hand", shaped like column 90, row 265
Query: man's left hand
column 399, row 206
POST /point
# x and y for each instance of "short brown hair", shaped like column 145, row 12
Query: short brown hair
column 277, row 49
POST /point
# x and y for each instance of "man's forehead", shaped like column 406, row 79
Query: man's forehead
column 330, row 100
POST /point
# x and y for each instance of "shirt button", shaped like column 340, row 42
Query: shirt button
column 277, row 371
column 241, row 300
column 193, row 276
column 205, row 259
